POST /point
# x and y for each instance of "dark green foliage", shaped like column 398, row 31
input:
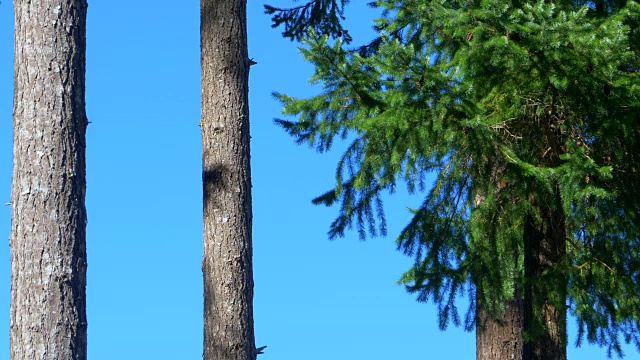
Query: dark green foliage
column 324, row 16
column 520, row 109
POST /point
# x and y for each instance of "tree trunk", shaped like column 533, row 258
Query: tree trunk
column 48, row 232
column 227, row 262
column 518, row 334
column 500, row 339
column 545, row 247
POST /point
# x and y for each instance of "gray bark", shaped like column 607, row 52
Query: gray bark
column 48, row 233
column 227, row 262
column 501, row 338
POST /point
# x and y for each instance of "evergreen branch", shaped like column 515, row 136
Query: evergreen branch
column 528, row 108
column 323, row 16
column 364, row 97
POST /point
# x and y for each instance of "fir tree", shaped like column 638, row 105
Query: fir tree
column 528, row 113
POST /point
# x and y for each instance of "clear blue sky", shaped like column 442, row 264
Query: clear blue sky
column 314, row 299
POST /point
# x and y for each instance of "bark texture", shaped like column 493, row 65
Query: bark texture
column 48, row 233
column 545, row 246
column 501, row 339
column 542, row 318
column 227, row 263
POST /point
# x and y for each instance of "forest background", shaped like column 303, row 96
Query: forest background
column 314, row 299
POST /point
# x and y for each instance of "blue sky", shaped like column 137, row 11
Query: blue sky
column 314, row 299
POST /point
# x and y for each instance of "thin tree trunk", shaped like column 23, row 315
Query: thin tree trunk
column 48, row 233
column 227, row 263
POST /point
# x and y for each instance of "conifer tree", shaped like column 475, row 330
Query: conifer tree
column 528, row 114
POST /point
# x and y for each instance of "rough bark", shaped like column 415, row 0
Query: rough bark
column 500, row 339
column 48, row 233
column 227, row 263
column 545, row 247
column 503, row 338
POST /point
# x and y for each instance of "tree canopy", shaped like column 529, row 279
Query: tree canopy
column 521, row 109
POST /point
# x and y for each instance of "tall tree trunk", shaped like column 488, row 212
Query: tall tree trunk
column 501, row 339
column 517, row 334
column 227, row 263
column 545, row 248
column 48, row 233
